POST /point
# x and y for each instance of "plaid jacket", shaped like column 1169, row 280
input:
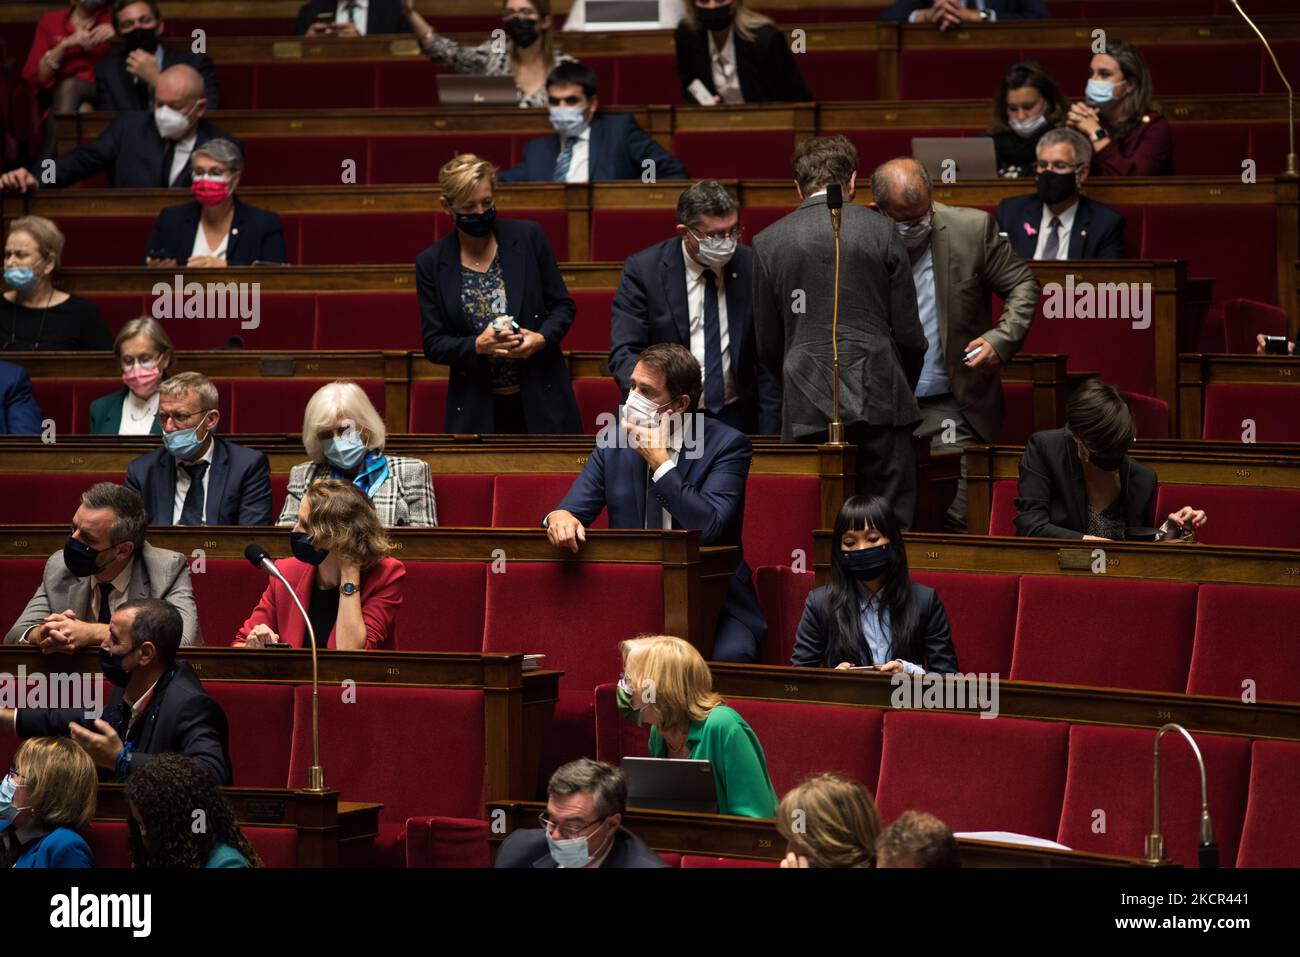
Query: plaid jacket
column 405, row 498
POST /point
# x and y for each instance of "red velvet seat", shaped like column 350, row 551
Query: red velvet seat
column 839, row 74
column 645, row 78
column 735, row 154
column 1274, row 410
column 22, row 576
column 443, row 607
column 229, row 589
column 1269, row 837
column 416, row 158
column 1269, row 142
column 117, row 310
column 447, row 842
column 781, row 512
column 411, row 82
column 261, row 727
column 781, row 594
column 1238, row 515
column 755, row 219
column 281, row 321
column 554, row 223
column 464, row 500
column 117, row 240
column 48, row 499
column 1244, row 633
column 1150, row 415
column 1244, row 319
column 1134, row 634
column 55, row 401
column 927, row 74
column 591, row 323
column 303, row 160
column 419, row 751
column 276, row 846
column 618, row 233
column 974, row 774
column 279, row 494
column 108, row 843
column 981, row 612
column 596, row 398
column 617, row 601
column 1181, row 69
column 348, row 239
column 1119, row 353
column 1018, row 425
column 1209, row 149
column 694, row 860
column 429, row 406
column 1110, row 771
column 1002, row 515
column 522, row 501
column 1191, row 232
column 337, row 84
column 368, row 320
column 276, row 405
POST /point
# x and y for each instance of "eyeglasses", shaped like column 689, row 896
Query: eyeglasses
column 1056, row 166
column 130, row 362
column 179, row 417
column 733, row 233
column 567, row 830
column 217, row 176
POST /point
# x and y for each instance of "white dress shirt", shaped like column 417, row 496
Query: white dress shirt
column 695, row 279
column 201, row 247
column 1063, row 232
column 726, row 80
column 359, row 16
column 181, row 157
column 183, row 485
column 138, row 414
column 674, row 452
column 115, row 597
column 934, row 374
column 579, row 165
column 972, row 4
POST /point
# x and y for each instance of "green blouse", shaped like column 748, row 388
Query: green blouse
column 739, row 766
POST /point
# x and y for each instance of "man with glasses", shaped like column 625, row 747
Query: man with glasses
column 197, row 478
column 1056, row 222
column 105, row 563
column 958, row 261
column 695, row 290
column 582, row 824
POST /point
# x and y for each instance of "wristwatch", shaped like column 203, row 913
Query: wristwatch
column 984, row 16
column 348, row 588
column 1098, row 135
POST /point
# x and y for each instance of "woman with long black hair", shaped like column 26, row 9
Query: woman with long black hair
column 872, row 614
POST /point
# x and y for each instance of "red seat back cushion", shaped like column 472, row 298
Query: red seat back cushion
column 261, row 730
column 1270, row 837
column 429, row 406
column 109, row 843
column 1128, row 634
column 1002, row 515
column 735, row 154
column 1246, row 641
column 781, row 594
column 1232, row 408
column 443, row 607
column 590, row 329
column 464, row 500
column 522, row 501
column 781, row 512
column 1110, row 772
column 1238, row 515
column 276, row 405
column 618, row 233
column 47, row 499
column 368, row 321
column 1244, row 319
column 276, row 846
column 1188, row 231
column 22, row 576
column 981, row 613
column 1150, row 415
column 597, row 402
column 1018, row 426
column 226, row 592
column 974, row 774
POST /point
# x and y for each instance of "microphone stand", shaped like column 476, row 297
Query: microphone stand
column 1292, row 168
column 1208, row 852
column 835, row 202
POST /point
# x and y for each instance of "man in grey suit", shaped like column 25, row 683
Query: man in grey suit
column 958, row 261
column 105, row 563
column 881, row 344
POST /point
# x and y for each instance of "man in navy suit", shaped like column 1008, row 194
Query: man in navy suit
column 140, row 150
column 197, row 478
column 126, row 80
column 955, row 13
column 19, row 414
column 695, row 290
column 659, row 474
column 587, row 146
column 1056, row 222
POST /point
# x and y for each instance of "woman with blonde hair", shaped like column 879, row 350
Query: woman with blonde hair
column 728, row 53
column 341, row 572
column 828, row 821
column 527, row 51
column 493, row 307
column 33, row 314
column 144, row 351
column 344, row 435
column 45, row 799
column 666, row 684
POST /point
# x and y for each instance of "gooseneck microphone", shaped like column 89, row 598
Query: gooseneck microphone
column 259, row 558
column 1207, row 852
column 1292, row 169
column 835, row 203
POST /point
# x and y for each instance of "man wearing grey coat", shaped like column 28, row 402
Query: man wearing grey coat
column 881, row 343
column 105, row 563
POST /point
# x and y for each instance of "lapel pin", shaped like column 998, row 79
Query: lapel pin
column 1030, row 230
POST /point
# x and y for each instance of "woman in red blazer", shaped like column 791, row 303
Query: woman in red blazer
column 67, row 45
column 1128, row 137
column 340, row 572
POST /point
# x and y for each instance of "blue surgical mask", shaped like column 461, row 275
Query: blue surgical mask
column 8, row 788
column 867, row 563
column 346, row 451
column 185, row 443
column 21, row 278
column 568, row 120
column 569, row 852
column 1099, row 92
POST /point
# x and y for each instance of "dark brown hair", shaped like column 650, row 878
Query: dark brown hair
column 920, row 837
column 1139, row 101
column 820, row 161
column 1028, row 73
column 1099, row 417
column 681, row 370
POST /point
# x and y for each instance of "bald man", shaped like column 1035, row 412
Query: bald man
column 139, row 150
column 958, row 262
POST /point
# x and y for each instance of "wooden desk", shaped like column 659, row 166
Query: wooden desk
column 1198, row 370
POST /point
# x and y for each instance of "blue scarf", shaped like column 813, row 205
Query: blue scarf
column 374, row 472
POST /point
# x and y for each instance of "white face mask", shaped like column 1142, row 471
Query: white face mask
column 568, row 121
column 915, row 234
column 715, row 251
column 640, row 411
column 1029, row 127
column 172, row 124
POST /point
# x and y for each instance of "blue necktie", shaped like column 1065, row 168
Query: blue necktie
column 715, row 390
column 563, row 161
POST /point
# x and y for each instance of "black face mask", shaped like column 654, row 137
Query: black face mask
column 141, row 38
column 1107, row 463
column 523, row 31
column 477, row 225
column 81, row 559
column 305, row 551
column 867, row 563
column 111, row 665
column 715, row 18
column 1056, row 187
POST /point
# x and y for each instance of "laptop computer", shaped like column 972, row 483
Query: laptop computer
column 670, row 784
column 476, row 89
column 973, row 157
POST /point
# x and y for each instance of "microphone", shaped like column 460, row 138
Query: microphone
column 835, row 203
column 1292, row 169
column 258, row 557
column 1207, row 852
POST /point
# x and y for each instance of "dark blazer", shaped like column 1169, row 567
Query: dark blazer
column 528, row 848
column 1147, row 151
column 617, row 149
column 650, row 306
column 118, row 91
column 1005, row 9
column 19, row 414
column 106, row 414
column 1053, row 501
column 765, row 67
column 384, row 16
column 812, row 640
column 180, row 718
column 705, row 493
column 535, row 296
column 1098, row 231
column 239, row 485
column 256, row 235
column 132, row 152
